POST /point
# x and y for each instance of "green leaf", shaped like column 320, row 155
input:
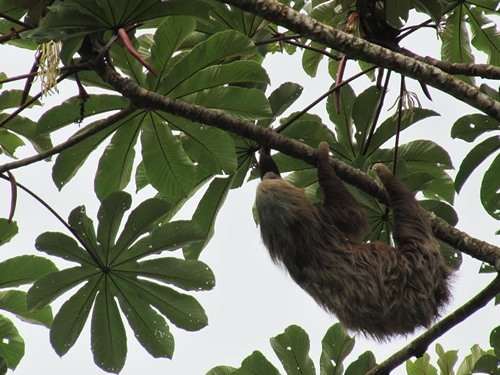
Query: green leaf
column 336, row 346
column 452, row 257
column 396, row 10
column 12, row 344
column 485, row 36
column 363, row 112
column 115, row 164
column 140, row 221
column 421, row 366
column 168, row 37
column 488, row 364
column 24, row 269
column 292, row 349
column 311, row 59
column 149, row 327
column 108, row 338
column 456, row 43
column 389, row 127
column 362, row 365
column 441, row 209
column 442, row 187
column 420, row 153
column 185, row 274
column 281, row 99
column 469, row 127
column 55, row 25
column 130, row 66
column 219, row 47
column 62, row 246
column 69, row 112
column 447, row 360
column 84, row 228
column 489, row 189
column 206, row 213
column 469, row 362
column 27, row 128
column 51, row 286
column 69, row 161
column 167, row 166
column 256, row 363
column 9, row 142
column 8, row 229
column 475, row 157
column 110, row 216
column 72, row 316
column 151, row 9
column 308, row 129
column 181, row 309
column 240, row 102
column 14, row 301
column 212, row 148
column 12, row 98
column 495, row 340
column 234, row 73
column 168, row 236
column 222, row 370
column 432, row 8
column 343, row 118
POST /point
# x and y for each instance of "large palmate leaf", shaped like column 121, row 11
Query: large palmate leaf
column 94, row 15
column 112, row 269
column 213, row 74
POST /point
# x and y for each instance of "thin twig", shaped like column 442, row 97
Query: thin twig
column 377, row 114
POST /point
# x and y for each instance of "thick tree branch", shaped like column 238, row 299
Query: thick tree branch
column 358, row 48
column 419, row 346
column 142, row 98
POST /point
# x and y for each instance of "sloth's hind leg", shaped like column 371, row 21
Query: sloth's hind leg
column 410, row 225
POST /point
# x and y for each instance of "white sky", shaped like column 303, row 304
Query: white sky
column 253, row 300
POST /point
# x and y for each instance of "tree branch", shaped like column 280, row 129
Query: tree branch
column 419, row 346
column 358, row 48
column 142, row 98
column 478, row 70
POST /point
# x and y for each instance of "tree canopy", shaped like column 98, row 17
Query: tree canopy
column 173, row 98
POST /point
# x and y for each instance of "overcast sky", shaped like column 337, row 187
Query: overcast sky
column 253, row 299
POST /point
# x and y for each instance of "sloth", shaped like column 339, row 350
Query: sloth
column 373, row 288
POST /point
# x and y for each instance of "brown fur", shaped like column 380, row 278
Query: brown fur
column 374, row 288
